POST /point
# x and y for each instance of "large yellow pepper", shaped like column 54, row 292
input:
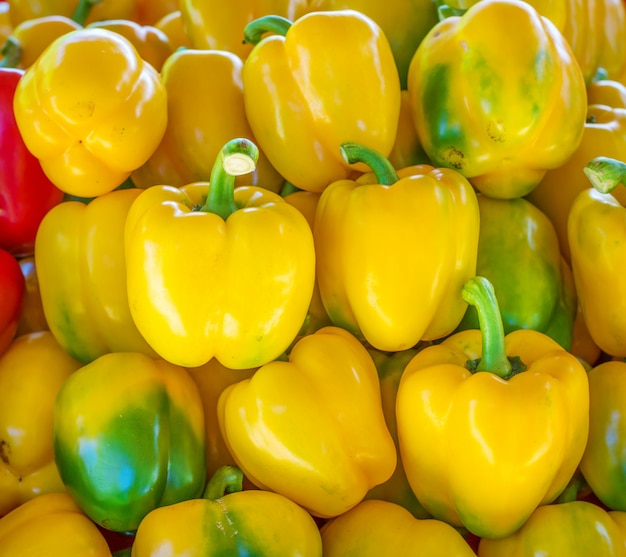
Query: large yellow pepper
column 215, row 271
column 229, row 521
column 501, row 107
column 369, row 282
column 48, row 526
column 79, row 251
column 91, row 110
column 205, row 109
column 313, row 428
column 490, row 427
column 300, row 92
column 32, row 371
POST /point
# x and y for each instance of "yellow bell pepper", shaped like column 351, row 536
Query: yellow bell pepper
column 32, row 371
column 48, row 526
column 598, row 252
column 87, row 309
column 148, row 12
column 369, row 282
column 406, row 150
column 205, row 109
column 300, row 92
column 490, row 427
column 218, row 271
column 312, row 428
column 22, row 10
column 608, row 92
column 502, row 107
column 91, row 110
column 375, row 528
column 229, row 521
column 172, row 25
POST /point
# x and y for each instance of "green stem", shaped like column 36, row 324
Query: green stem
column 239, row 156
column 478, row 292
column 605, row 174
column 288, row 188
column 11, row 53
column 83, row 9
column 225, row 480
column 383, row 170
column 254, row 31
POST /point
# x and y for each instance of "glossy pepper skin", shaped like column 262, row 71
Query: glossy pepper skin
column 312, row 428
column 483, row 448
column 369, row 283
column 128, row 437
column 91, row 110
column 604, row 462
column 12, row 286
column 596, row 238
column 48, row 526
column 518, row 252
column 32, row 371
column 201, row 118
column 502, row 108
column 198, row 239
column 375, row 528
column 299, row 93
column 88, row 310
column 26, row 194
column 229, row 521
column 576, row 528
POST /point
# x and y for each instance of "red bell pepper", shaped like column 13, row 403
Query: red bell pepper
column 26, row 194
column 12, row 286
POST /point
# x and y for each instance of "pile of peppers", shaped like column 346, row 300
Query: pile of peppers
column 312, row 278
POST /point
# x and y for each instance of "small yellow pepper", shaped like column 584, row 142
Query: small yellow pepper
column 91, row 110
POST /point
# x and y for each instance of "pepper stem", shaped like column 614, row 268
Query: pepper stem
column 478, row 292
column 384, row 171
column 11, row 53
column 225, row 480
column 83, row 9
column 253, row 32
column 605, row 174
column 239, row 156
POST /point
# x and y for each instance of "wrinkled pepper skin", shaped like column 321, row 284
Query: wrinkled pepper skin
column 299, row 94
column 484, row 449
column 32, row 372
column 197, row 239
column 233, row 522
column 205, row 109
column 50, row 525
column 604, row 462
column 515, row 235
column 375, row 528
column 369, row 283
column 26, row 194
column 88, row 310
column 312, row 428
column 12, row 286
column 576, row 529
column 129, row 437
column 90, row 128
column 502, row 108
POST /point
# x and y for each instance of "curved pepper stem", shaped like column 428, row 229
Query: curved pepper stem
column 605, row 174
column 225, row 480
column 254, row 31
column 83, row 9
column 384, row 171
column 238, row 157
column 11, row 53
column 478, row 292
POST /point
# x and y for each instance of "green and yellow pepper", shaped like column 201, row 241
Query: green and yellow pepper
column 369, row 282
column 229, row 521
column 32, row 371
column 501, row 107
column 218, row 271
column 312, row 428
column 311, row 85
column 91, row 110
column 129, row 437
column 87, row 309
column 491, row 427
